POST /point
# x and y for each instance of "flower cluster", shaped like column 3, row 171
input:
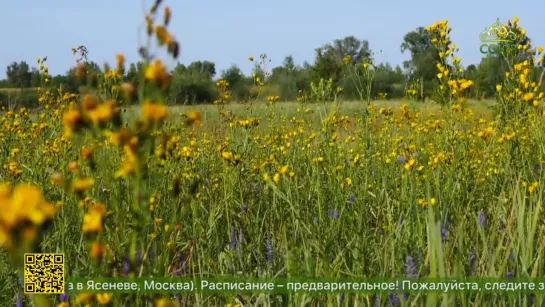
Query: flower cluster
column 245, row 123
column 24, row 211
column 224, row 92
column 453, row 87
column 273, row 99
column 412, row 89
column 90, row 113
column 520, row 91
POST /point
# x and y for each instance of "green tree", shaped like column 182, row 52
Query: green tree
column 134, row 73
column 328, row 63
column 358, row 50
column 68, row 82
column 388, row 80
column 240, row 85
column 259, row 72
column 19, row 75
column 424, row 56
column 471, row 73
column 193, row 83
column 203, row 68
column 233, row 75
column 285, row 80
column 326, row 66
column 35, row 79
column 289, row 79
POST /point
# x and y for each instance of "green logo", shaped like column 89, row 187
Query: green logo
column 498, row 39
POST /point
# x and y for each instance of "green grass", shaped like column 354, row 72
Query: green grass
column 289, row 109
column 311, row 223
column 16, row 90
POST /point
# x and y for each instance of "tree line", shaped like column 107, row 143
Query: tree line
column 195, row 83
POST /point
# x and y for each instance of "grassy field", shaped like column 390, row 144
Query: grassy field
column 289, row 109
column 394, row 189
column 326, row 193
column 318, row 111
column 16, row 90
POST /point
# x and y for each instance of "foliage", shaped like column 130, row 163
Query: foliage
column 274, row 189
column 19, row 75
column 193, row 84
column 519, row 92
column 324, row 91
column 452, row 87
column 423, row 56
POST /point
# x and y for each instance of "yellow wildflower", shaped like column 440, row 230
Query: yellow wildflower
column 533, row 187
column 103, row 298
column 83, row 297
column 129, row 163
column 163, row 302
column 157, row 72
column 154, row 112
column 92, row 222
column 82, row 184
column 227, row 155
column 97, row 250
column 120, row 60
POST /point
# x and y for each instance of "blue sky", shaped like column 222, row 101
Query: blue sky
column 227, row 32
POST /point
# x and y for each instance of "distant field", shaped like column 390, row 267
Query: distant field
column 289, row 109
column 16, row 90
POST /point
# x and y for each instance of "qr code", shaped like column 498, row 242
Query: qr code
column 44, row 273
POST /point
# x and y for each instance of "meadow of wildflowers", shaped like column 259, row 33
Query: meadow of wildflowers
column 332, row 189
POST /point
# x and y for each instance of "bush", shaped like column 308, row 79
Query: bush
column 14, row 99
column 192, row 93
